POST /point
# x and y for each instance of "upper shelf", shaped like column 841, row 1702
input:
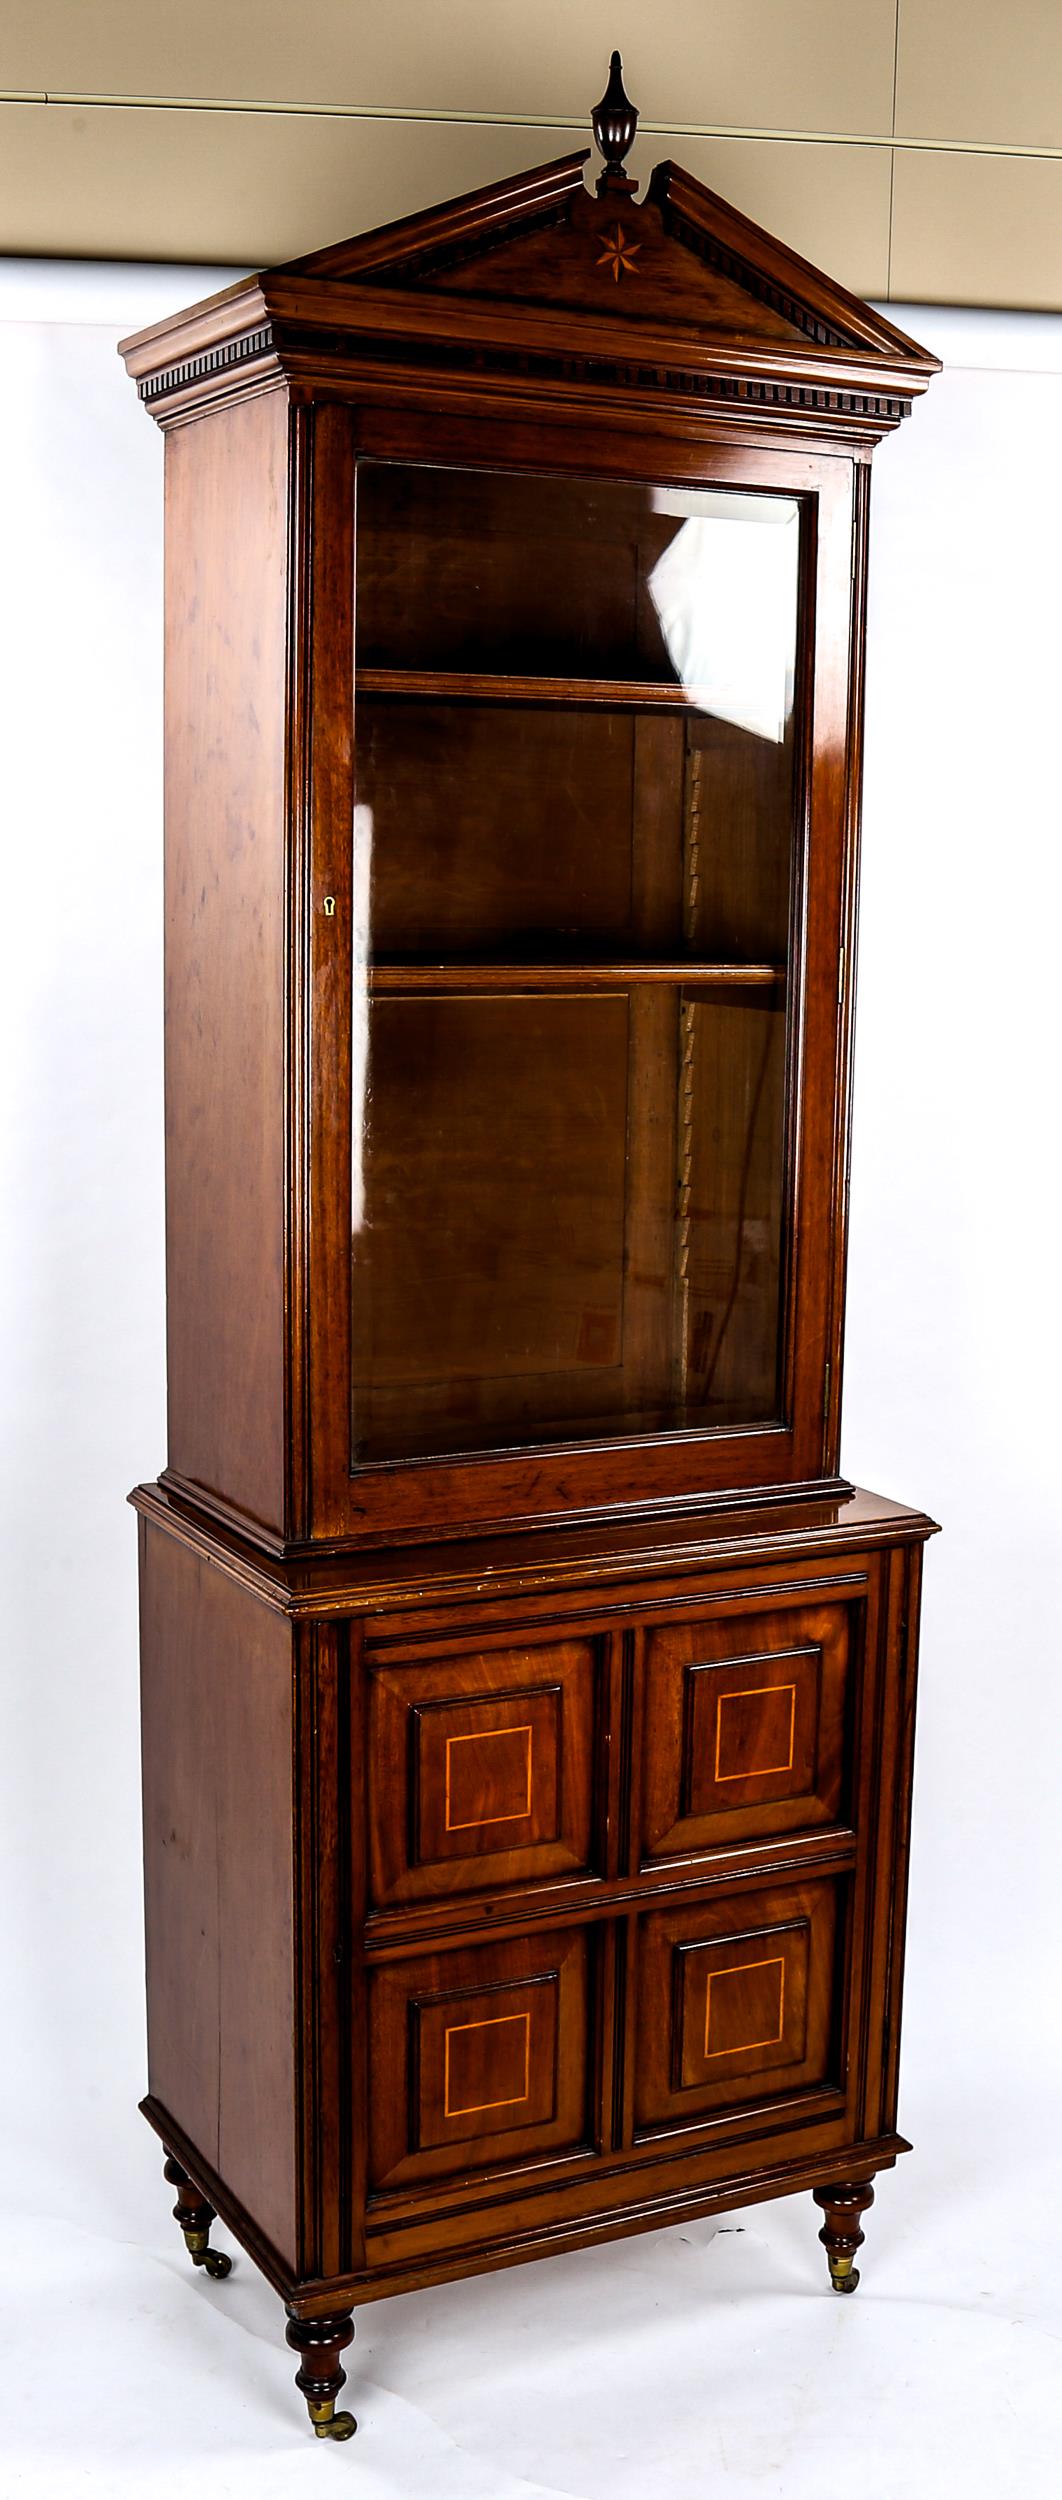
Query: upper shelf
column 573, row 976
column 476, row 686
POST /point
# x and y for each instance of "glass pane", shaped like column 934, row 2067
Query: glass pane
column 574, row 847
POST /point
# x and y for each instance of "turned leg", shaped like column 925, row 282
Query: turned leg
column 195, row 2217
column 841, row 2234
column 319, row 2342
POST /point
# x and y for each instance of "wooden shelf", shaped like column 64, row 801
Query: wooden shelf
column 571, row 976
column 473, row 686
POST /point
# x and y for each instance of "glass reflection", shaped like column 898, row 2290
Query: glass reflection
column 725, row 595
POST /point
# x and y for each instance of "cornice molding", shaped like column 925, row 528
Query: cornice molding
column 350, row 316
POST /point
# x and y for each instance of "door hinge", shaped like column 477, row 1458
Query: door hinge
column 826, row 1394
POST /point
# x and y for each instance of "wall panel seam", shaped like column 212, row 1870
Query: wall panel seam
column 892, row 157
column 458, row 116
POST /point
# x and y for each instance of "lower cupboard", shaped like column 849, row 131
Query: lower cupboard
column 508, row 1923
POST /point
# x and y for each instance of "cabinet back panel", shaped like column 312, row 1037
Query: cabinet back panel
column 528, row 831
column 441, row 779
column 452, row 574
column 557, row 1233
column 494, row 1209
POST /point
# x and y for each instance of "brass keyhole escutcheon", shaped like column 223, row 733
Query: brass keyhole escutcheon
column 329, row 906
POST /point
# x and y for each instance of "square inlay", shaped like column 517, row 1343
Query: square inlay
column 745, row 2007
column 754, row 1731
column 488, row 1777
column 487, row 2065
column 485, row 2059
column 741, row 2001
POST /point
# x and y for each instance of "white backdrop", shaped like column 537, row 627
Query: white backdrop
column 690, row 2360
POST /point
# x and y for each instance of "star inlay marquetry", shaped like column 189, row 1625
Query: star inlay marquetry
column 618, row 254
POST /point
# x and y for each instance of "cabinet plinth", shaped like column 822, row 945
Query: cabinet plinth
column 528, row 1699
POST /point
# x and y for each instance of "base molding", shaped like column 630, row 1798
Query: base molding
column 308, row 2299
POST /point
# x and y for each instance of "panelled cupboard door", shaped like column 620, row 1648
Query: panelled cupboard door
column 739, row 2001
column 748, row 1725
column 577, row 1048
column 479, row 2058
column 481, row 1768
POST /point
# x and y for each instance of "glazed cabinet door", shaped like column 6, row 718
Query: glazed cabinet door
column 581, row 839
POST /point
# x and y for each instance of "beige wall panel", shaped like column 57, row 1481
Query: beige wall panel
column 830, row 203
column 822, row 65
column 245, row 189
column 978, row 230
column 251, row 189
column 971, row 69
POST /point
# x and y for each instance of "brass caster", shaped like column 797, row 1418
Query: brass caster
column 328, row 2424
column 842, row 2232
column 320, row 2375
column 213, row 2260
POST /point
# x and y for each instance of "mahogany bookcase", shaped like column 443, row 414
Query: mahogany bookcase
column 527, row 1699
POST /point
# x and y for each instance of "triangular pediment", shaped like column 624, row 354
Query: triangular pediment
column 679, row 259
column 612, row 258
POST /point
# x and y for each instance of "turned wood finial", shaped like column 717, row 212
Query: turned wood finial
column 614, row 123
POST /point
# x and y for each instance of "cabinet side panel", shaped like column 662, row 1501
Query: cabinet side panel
column 226, row 592
column 216, row 1680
